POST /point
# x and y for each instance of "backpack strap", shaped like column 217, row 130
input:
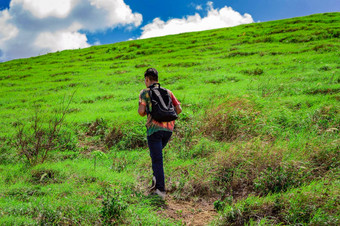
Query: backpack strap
column 153, row 85
column 150, row 91
column 160, row 98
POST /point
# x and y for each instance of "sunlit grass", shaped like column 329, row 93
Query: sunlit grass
column 259, row 130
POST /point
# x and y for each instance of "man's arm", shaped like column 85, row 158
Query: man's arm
column 178, row 109
column 176, row 103
column 142, row 104
column 142, row 110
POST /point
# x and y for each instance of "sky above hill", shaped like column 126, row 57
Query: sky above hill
column 34, row 27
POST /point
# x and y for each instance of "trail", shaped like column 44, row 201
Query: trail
column 189, row 212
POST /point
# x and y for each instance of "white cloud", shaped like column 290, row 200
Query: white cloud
column 61, row 40
column 7, row 30
column 46, row 8
column 198, row 7
column 118, row 11
column 33, row 27
column 216, row 18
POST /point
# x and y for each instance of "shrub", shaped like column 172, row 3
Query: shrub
column 36, row 141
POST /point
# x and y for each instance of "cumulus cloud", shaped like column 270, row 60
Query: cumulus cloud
column 216, row 18
column 33, row 27
column 61, row 40
column 7, row 30
column 46, row 8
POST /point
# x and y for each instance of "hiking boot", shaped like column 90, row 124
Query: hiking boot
column 161, row 194
column 153, row 185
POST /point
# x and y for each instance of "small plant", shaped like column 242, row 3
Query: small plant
column 98, row 154
column 113, row 208
column 219, row 205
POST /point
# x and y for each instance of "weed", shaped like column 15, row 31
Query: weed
column 96, row 155
column 112, row 208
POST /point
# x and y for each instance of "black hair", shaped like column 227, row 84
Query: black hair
column 152, row 74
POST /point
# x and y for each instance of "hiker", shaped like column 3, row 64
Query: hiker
column 158, row 132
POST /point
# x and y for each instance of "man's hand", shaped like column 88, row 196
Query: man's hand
column 142, row 110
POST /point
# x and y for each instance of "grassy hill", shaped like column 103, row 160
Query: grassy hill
column 257, row 143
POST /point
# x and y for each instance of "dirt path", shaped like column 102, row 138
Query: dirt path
column 189, row 212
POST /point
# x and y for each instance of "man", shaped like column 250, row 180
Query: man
column 158, row 133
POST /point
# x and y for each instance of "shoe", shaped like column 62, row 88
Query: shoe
column 161, row 194
column 153, row 185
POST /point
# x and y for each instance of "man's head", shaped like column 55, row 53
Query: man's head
column 151, row 76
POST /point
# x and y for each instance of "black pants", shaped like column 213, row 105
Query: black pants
column 156, row 142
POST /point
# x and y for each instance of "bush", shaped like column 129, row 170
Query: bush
column 37, row 140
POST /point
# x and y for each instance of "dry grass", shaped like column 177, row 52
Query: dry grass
column 235, row 119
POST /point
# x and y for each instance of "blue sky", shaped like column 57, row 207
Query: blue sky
column 34, row 27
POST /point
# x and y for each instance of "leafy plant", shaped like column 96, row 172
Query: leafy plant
column 97, row 154
column 112, row 208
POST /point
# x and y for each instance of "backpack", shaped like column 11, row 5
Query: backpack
column 162, row 109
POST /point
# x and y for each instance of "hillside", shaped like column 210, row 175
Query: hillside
column 257, row 143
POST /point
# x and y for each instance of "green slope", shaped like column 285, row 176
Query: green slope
column 259, row 129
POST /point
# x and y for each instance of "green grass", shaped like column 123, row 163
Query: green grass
column 259, row 132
